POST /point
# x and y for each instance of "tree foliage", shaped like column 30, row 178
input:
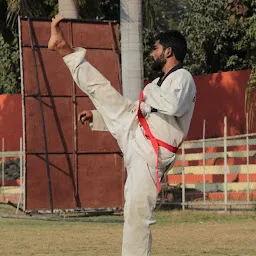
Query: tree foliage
column 9, row 55
column 169, row 15
column 9, row 65
column 154, row 19
column 244, row 12
column 9, row 46
column 159, row 16
column 30, row 8
column 215, row 43
column 221, row 34
column 102, row 10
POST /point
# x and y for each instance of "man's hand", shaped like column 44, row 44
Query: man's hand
column 85, row 117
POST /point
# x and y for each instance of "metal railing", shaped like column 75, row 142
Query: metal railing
column 19, row 154
column 221, row 142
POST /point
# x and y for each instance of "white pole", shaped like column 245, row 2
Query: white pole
column 3, row 159
column 21, row 162
column 247, row 158
column 21, row 177
column 204, row 160
column 225, row 163
column 183, row 177
column 23, row 172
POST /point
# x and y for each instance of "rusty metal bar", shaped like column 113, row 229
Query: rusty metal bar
column 23, row 114
column 79, row 153
column 75, row 161
column 49, row 95
column 72, row 20
column 87, row 47
column 115, row 46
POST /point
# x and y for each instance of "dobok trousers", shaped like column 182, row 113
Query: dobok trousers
column 120, row 117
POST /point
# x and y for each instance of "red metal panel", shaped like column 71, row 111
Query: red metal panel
column 93, row 35
column 54, row 78
column 100, row 179
column 93, row 141
column 62, row 178
column 58, row 120
column 76, row 154
column 97, row 35
column 42, row 32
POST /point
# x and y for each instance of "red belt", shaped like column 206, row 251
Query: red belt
column 156, row 143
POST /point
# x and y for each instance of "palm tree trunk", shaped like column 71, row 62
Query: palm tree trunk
column 131, row 48
column 69, row 8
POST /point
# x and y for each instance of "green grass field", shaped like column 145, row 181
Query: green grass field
column 176, row 233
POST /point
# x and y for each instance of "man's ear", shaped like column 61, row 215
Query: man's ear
column 169, row 52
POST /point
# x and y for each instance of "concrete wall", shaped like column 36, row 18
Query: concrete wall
column 10, row 121
column 219, row 95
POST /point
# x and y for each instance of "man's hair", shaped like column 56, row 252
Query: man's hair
column 175, row 40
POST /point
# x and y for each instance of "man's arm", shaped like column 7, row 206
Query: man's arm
column 174, row 99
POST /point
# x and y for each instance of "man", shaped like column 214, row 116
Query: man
column 148, row 132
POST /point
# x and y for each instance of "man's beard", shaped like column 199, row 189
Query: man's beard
column 159, row 63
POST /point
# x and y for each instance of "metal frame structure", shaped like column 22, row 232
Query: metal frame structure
column 73, row 158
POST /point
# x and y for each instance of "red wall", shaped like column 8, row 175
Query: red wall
column 218, row 95
column 10, row 121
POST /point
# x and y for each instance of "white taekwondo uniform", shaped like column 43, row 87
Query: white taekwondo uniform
column 174, row 102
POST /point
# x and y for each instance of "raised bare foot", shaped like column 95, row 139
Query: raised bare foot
column 57, row 41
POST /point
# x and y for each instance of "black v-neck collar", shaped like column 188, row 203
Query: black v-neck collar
column 160, row 81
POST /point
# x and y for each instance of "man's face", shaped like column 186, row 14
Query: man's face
column 158, row 56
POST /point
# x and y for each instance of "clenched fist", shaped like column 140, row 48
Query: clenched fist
column 85, row 117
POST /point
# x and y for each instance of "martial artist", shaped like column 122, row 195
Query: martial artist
column 148, row 131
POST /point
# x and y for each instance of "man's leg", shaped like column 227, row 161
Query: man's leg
column 113, row 107
column 140, row 188
column 140, row 199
